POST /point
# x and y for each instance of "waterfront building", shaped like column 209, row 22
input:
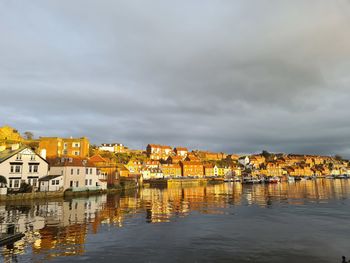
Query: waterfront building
column 79, row 174
column 51, row 183
column 113, row 147
column 208, row 170
column 171, row 170
column 107, row 169
column 122, row 171
column 221, row 171
column 52, row 147
column 157, row 152
column 22, row 165
column 192, row 168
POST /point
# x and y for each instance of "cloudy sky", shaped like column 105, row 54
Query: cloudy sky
column 234, row 76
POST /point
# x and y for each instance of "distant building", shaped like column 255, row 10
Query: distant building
column 113, row 147
column 9, row 135
column 22, row 165
column 181, row 151
column 53, row 147
column 171, row 170
column 208, row 170
column 107, row 169
column 192, row 168
column 157, row 152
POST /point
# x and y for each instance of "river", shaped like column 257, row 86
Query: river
column 307, row 221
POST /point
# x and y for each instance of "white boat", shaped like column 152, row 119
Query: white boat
column 251, row 180
column 291, row 179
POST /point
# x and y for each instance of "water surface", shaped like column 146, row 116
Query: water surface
column 287, row 222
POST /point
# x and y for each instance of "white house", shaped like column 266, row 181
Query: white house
column 51, row 183
column 78, row 174
column 22, row 164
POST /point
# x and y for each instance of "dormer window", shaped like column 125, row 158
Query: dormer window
column 32, row 157
column 19, row 157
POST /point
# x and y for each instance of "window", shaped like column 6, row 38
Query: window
column 90, row 181
column 53, row 182
column 87, row 170
column 65, row 145
column 71, row 171
column 76, row 183
column 30, row 168
column 35, row 168
column 32, row 157
column 76, row 144
column 71, row 183
column 19, row 157
column 12, row 169
column 90, row 170
column 65, row 152
column 86, row 181
column 16, row 183
column 76, row 153
column 17, row 169
column 78, row 170
column 35, row 181
column 57, row 182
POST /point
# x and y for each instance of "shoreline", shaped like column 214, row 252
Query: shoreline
column 63, row 194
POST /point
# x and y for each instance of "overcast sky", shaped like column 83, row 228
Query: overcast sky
column 234, row 76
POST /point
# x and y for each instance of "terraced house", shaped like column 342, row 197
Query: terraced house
column 192, row 168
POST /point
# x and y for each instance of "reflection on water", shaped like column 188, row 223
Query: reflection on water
column 57, row 229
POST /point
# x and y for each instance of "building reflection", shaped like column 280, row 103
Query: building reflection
column 60, row 227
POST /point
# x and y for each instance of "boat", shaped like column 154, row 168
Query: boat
column 11, row 235
column 329, row 177
column 341, row 176
column 272, row 180
column 251, row 180
column 291, row 179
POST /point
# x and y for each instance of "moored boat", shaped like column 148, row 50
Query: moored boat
column 272, row 180
column 251, row 180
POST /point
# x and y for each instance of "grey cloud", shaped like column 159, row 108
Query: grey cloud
column 230, row 76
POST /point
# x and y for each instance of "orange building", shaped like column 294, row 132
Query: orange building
column 171, row 170
column 192, row 168
column 181, row 151
column 157, row 152
column 107, row 167
column 64, row 147
column 174, row 159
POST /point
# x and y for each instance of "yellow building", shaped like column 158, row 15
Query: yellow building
column 9, row 134
column 64, row 147
column 171, row 170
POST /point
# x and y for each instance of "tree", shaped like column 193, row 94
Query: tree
column 338, row 157
column 28, row 135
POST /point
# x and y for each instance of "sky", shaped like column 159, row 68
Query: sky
column 234, row 76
